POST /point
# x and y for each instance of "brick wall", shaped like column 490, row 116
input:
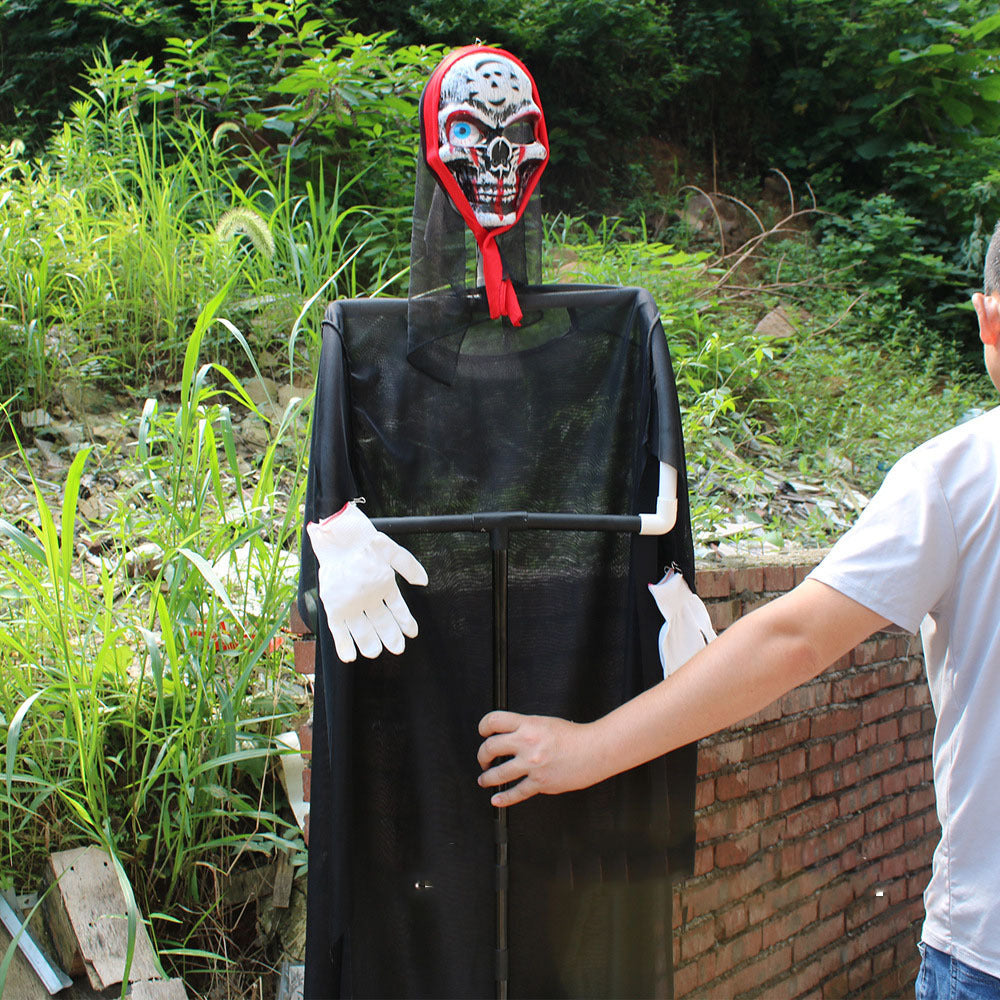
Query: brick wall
column 815, row 823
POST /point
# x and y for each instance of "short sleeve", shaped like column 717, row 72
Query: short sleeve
column 900, row 558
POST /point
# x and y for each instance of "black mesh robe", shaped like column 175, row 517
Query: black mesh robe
column 571, row 413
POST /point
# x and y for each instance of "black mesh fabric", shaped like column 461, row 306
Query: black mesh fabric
column 571, row 414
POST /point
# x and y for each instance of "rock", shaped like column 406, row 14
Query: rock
column 777, row 324
column 146, row 559
column 35, row 419
column 261, row 390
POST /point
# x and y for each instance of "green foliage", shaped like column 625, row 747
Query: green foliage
column 887, row 97
column 603, row 71
column 286, row 82
column 141, row 700
column 44, row 46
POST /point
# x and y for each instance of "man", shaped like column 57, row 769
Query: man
column 924, row 554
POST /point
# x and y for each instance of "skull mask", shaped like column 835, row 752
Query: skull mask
column 484, row 138
column 486, row 129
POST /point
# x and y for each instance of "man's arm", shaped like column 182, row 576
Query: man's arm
column 754, row 662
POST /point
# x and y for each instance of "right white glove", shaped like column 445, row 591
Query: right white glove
column 687, row 628
column 357, row 584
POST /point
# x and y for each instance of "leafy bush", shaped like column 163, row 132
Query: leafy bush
column 888, row 97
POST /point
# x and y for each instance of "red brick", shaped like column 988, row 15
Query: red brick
column 751, row 977
column 737, row 850
column 835, row 898
column 750, row 578
column 763, row 775
column 909, row 723
column 913, row 828
column 724, row 819
column 772, row 833
column 919, row 747
column 805, row 698
column 825, row 932
column 722, row 614
column 686, row 980
column 833, row 841
column 834, row 722
column 894, row 783
column 791, row 764
column 781, row 578
column 848, row 773
column 866, row 737
column 859, row 974
column 712, row 583
column 786, row 925
column 778, row 737
column 732, row 922
column 704, row 860
column 918, row 696
column 846, row 746
column 876, row 650
column 857, row 685
column 305, row 656
column 749, row 604
column 820, row 754
column 697, row 938
column 750, row 878
column 883, row 704
column 810, row 818
column 823, row 783
column 306, row 738
column 712, row 756
column 737, row 949
column 794, row 793
column 883, row 960
column 768, row 714
column 296, row 624
column 803, row 570
column 732, row 786
column 704, row 793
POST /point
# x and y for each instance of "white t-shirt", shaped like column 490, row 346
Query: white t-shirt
column 925, row 554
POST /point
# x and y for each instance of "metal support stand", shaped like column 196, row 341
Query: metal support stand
column 499, row 524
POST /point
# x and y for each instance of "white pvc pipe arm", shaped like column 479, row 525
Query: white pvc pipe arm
column 666, row 504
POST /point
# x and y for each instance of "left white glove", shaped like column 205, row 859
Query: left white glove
column 357, row 584
column 687, row 629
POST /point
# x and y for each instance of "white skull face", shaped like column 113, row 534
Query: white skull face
column 486, row 124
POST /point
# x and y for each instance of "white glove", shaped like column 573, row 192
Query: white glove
column 357, row 584
column 687, row 629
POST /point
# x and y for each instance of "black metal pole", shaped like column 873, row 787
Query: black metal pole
column 499, row 545
column 499, row 524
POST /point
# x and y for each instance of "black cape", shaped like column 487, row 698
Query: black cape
column 571, row 413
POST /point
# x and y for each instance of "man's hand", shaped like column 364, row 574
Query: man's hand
column 756, row 660
column 544, row 756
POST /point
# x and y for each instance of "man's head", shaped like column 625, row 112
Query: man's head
column 987, row 306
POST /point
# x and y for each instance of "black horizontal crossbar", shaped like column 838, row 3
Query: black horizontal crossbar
column 509, row 520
